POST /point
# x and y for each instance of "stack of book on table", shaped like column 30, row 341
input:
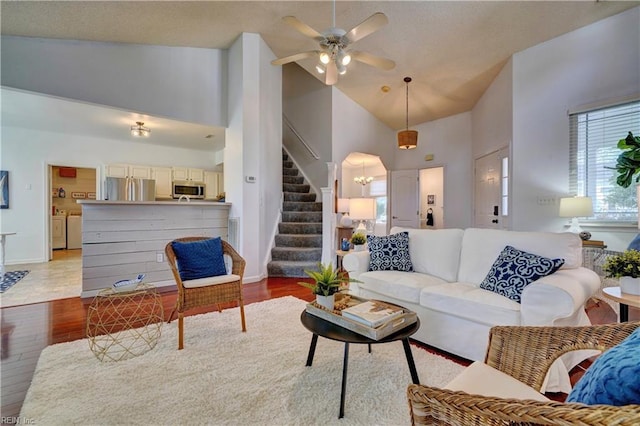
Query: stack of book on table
column 372, row 313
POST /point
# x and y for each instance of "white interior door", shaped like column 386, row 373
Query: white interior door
column 490, row 205
column 405, row 197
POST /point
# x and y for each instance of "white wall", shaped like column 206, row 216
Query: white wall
column 188, row 84
column 491, row 118
column 355, row 130
column 596, row 63
column 449, row 140
column 307, row 105
column 25, row 153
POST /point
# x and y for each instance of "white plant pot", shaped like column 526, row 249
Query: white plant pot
column 358, row 247
column 630, row 285
column 326, row 301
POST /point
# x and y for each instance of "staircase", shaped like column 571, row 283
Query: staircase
column 298, row 245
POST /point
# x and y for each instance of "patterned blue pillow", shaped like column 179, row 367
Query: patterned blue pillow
column 614, row 377
column 199, row 259
column 514, row 269
column 390, row 253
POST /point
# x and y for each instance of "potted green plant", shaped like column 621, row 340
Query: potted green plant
column 628, row 162
column 327, row 282
column 626, row 267
column 358, row 240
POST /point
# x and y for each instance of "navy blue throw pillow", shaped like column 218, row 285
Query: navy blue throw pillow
column 614, row 377
column 390, row 253
column 514, row 269
column 199, row 259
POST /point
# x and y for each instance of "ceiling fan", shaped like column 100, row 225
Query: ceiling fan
column 334, row 54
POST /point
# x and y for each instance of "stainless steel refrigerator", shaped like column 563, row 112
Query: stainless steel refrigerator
column 129, row 189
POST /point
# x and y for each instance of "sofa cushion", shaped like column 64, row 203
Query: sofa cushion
column 514, row 269
column 481, row 247
column 481, row 379
column 435, row 251
column 389, row 253
column 614, row 377
column 404, row 286
column 467, row 301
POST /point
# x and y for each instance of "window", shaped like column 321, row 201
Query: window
column 378, row 190
column 593, row 151
column 505, row 186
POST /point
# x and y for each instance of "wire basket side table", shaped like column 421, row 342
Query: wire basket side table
column 122, row 325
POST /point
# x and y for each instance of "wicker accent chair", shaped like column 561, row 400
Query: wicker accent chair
column 525, row 353
column 222, row 289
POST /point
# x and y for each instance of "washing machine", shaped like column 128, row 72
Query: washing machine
column 74, row 232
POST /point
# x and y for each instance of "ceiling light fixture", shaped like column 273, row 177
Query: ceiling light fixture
column 362, row 180
column 407, row 139
column 139, row 130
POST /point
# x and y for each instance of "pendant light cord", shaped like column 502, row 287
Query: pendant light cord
column 407, row 80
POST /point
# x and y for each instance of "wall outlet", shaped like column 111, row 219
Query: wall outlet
column 159, row 257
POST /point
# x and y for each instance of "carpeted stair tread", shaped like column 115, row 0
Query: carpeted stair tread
column 282, row 268
column 299, row 197
column 296, row 253
column 298, row 240
column 297, row 180
column 293, row 187
column 300, row 227
column 287, row 164
column 301, row 206
column 302, row 216
column 290, row 172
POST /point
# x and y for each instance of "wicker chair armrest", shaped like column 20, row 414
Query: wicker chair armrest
column 429, row 406
column 237, row 262
column 527, row 352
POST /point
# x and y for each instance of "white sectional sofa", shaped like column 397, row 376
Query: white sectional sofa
column 444, row 287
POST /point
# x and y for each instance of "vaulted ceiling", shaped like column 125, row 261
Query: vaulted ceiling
column 452, row 49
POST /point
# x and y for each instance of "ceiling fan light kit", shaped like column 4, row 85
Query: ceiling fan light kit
column 334, row 55
column 407, row 139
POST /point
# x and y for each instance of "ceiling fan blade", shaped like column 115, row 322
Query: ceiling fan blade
column 331, row 74
column 374, row 61
column 303, row 28
column 366, row 27
column 294, row 58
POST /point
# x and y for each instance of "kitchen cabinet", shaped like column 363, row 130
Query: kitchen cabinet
column 128, row 170
column 163, row 178
column 186, row 173
column 213, row 185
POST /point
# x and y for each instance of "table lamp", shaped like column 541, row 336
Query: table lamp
column 343, row 207
column 575, row 207
column 362, row 209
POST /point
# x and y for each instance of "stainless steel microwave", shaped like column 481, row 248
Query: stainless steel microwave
column 188, row 188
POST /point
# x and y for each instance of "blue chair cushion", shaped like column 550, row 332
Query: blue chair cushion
column 389, row 253
column 514, row 269
column 199, row 259
column 614, row 377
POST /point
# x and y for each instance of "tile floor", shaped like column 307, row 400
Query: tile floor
column 58, row 279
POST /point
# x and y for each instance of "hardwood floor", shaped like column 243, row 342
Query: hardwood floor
column 28, row 329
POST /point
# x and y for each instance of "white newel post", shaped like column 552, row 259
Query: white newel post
column 329, row 217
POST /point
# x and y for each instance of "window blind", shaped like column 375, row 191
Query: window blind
column 593, row 151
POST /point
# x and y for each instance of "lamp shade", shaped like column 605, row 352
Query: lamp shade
column 576, row 207
column 343, row 205
column 362, row 208
column 407, row 139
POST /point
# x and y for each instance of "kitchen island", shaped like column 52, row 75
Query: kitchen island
column 121, row 239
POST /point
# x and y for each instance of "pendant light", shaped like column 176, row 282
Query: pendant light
column 363, row 180
column 407, row 139
column 139, row 130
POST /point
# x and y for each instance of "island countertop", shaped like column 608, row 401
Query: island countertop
column 155, row 203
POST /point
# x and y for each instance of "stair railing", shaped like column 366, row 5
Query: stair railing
column 299, row 137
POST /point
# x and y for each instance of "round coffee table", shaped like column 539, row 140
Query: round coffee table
column 321, row 327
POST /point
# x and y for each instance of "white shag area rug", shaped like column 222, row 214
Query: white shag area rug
column 226, row 377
